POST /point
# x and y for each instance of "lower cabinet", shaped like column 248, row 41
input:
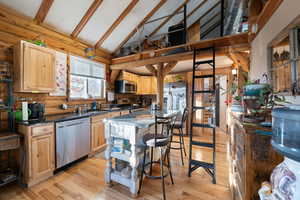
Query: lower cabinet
column 39, row 152
column 42, row 155
column 97, row 135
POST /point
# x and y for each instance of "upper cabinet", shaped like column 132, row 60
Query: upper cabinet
column 146, row 85
column 34, row 69
column 128, row 76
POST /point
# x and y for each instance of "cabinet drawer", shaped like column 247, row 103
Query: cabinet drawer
column 98, row 118
column 42, row 130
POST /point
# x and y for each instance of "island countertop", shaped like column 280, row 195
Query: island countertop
column 141, row 119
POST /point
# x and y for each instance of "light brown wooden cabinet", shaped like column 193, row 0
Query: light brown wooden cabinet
column 146, row 85
column 34, row 69
column 39, row 152
column 97, row 135
column 128, row 76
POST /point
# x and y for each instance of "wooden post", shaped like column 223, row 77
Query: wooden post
column 160, row 85
column 160, row 72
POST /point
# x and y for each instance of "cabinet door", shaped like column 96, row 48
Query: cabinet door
column 42, row 155
column 139, row 85
column 98, row 139
column 39, row 68
column 154, row 85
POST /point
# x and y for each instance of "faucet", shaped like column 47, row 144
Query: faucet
column 78, row 109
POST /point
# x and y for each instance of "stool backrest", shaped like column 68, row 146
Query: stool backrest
column 184, row 116
column 167, row 124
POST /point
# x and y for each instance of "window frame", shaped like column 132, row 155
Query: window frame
column 71, row 73
column 294, row 61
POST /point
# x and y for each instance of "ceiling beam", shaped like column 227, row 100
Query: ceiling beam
column 206, row 13
column 237, row 42
column 166, row 59
column 89, row 13
column 151, row 69
column 240, row 59
column 116, row 23
column 195, row 9
column 168, row 18
column 168, row 68
column 152, row 12
column 268, row 10
column 114, row 75
column 43, row 11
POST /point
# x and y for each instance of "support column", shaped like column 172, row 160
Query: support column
column 160, row 85
column 160, row 72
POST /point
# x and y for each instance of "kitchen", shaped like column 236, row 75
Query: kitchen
column 176, row 92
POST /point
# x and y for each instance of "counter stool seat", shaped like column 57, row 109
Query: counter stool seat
column 161, row 140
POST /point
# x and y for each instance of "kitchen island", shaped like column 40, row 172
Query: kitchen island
column 124, row 144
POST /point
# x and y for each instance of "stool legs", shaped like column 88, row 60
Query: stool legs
column 142, row 172
column 169, row 165
column 181, row 135
column 151, row 160
column 161, row 163
column 162, row 173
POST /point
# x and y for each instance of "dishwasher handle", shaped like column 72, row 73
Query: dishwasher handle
column 74, row 124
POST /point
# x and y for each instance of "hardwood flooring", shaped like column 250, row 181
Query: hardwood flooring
column 85, row 180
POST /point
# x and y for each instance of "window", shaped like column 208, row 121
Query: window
column 87, row 79
column 285, row 64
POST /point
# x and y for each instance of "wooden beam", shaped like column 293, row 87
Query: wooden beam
column 240, row 59
column 195, row 9
column 168, row 68
column 168, row 18
column 206, row 13
column 160, row 85
column 25, row 28
column 238, row 42
column 116, row 23
column 152, row 12
column 151, row 69
column 164, row 59
column 43, row 11
column 114, row 75
column 269, row 9
column 89, row 13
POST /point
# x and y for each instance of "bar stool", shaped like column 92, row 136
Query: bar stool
column 179, row 125
column 161, row 141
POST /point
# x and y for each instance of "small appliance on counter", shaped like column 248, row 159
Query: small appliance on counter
column 37, row 111
column 285, row 179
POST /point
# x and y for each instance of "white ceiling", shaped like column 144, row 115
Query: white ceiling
column 184, row 66
column 64, row 15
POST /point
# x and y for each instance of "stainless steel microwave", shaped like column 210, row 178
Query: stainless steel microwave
column 123, row 86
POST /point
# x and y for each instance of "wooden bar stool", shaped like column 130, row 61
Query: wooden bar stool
column 158, row 140
column 179, row 125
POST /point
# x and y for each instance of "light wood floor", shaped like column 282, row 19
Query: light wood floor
column 85, row 180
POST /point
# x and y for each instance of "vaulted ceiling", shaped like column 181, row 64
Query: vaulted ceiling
column 110, row 24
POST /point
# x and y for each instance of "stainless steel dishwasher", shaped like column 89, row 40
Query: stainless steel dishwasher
column 72, row 140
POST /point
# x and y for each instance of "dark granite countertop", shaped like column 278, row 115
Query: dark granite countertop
column 71, row 116
column 141, row 119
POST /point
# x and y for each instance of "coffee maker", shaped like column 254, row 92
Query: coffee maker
column 37, row 111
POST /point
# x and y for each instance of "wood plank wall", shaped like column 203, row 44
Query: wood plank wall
column 14, row 28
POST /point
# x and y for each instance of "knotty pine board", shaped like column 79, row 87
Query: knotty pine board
column 52, row 103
